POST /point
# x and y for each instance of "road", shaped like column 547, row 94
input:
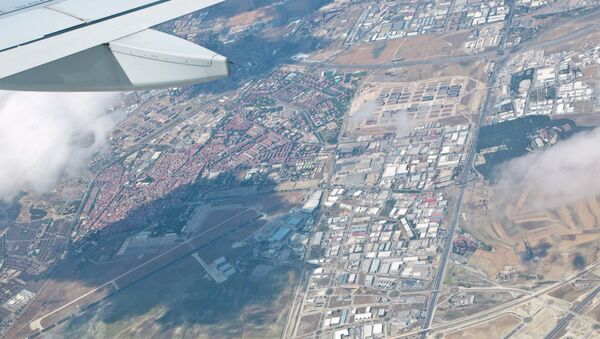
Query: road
column 141, row 144
column 37, row 323
column 440, row 60
column 468, row 164
column 562, row 323
column 438, row 281
column 446, row 60
column 493, row 312
column 439, row 278
column 498, row 310
column 464, row 178
column 587, row 30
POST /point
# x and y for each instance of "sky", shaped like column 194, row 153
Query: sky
column 45, row 136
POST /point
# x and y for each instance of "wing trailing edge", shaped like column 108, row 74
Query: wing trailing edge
column 104, row 45
column 144, row 60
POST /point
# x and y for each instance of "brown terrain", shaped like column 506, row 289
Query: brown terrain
column 556, row 235
column 410, row 48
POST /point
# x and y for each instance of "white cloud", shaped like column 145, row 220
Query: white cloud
column 44, row 136
column 563, row 174
column 366, row 110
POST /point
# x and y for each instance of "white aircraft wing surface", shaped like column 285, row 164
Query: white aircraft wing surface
column 100, row 45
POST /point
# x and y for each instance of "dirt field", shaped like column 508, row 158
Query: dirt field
column 561, row 27
column 430, row 46
column 594, row 313
column 249, row 18
column 493, row 262
column 370, row 53
column 388, row 106
column 410, row 48
column 309, row 323
column 556, row 236
column 543, row 321
column 500, row 327
column 458, row 275
column 570, row 292
column 181, row 303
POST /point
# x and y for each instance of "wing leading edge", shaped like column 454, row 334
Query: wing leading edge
column 103, row 45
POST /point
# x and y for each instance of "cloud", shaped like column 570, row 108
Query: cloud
column 44, row 136
column 366, row 110
column 565, row 173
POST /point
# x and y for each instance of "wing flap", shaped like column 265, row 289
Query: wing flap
column 144, row 60
column 155, row 59
column 56, row 45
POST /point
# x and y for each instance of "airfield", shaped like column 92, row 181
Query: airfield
column 330, row 188
column 163, row 273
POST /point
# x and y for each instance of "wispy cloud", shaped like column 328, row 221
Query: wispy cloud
column 563, row 174
column 44, row 136
column 366, row 111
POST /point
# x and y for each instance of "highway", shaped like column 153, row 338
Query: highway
column 438, row 281
column 439, row 60
column 569, row 316
column 464, row 178
column 496, row 311
column 446, row 60
column 493, row 312
column 468, row 164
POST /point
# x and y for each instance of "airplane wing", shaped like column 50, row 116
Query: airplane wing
column 100, row 45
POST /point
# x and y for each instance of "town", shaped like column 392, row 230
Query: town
column 345, row 182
